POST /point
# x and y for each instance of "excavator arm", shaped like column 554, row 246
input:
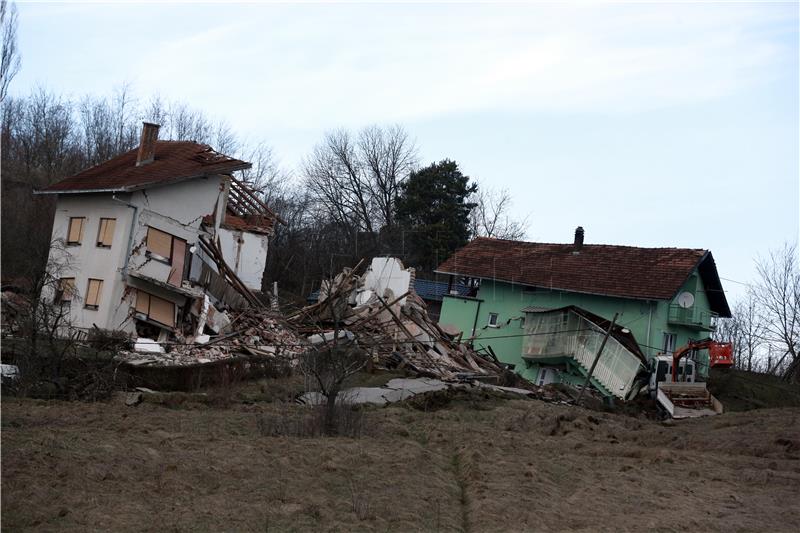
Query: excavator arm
column 719, row 354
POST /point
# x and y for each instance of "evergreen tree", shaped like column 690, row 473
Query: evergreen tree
column 433, row 211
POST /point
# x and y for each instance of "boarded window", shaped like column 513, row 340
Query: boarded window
column 105, row 233
column 75, row 233
column 155, row 308
column 93, row 291
column 178, row 262
column 65, row 290
column 159, row 243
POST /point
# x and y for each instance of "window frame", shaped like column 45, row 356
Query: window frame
column 100, row 243
column 158, row 257
column 493, row 324
column 80, row 232
column 147, row 315
column 673, row 337
column 61, row 290
column 93, row 306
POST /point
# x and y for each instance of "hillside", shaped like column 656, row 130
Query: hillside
column 474, row 464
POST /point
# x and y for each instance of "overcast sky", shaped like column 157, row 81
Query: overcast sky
column 663, row 124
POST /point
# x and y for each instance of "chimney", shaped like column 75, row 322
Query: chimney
column 147, row 144
column 578, row 239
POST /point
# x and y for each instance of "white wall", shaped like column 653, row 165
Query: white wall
column 175, row 209
column 246, row 254
column 87, row 260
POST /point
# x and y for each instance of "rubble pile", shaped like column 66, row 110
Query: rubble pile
column 253, row 332
column 383, row 313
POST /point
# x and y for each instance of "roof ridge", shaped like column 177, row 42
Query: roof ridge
column 494, row 239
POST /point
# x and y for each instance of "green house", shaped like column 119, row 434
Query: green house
column 664, row 297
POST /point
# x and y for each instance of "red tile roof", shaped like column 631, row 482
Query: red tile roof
column 174, row 161
column 622, row 271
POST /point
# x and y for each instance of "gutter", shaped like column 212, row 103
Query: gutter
column 134, row 221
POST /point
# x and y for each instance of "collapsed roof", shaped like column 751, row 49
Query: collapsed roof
column 174, row 161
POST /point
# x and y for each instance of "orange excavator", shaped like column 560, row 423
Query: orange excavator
column 720, row 354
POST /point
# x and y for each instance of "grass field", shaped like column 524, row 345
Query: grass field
column 473, row 464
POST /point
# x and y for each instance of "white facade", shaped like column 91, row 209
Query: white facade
column 246, row 253
column 176, row 209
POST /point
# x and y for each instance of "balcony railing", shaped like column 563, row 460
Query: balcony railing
column 693, row 317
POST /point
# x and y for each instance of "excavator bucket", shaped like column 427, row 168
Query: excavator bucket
column 720, row 354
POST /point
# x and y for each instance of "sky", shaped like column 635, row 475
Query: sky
column 647, row 123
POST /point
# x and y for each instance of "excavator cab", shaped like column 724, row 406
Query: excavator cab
column 720, row 354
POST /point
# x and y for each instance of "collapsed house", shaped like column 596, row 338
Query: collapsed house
column 381, row 310
column 159, row 242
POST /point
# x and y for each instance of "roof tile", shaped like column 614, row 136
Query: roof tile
column 174, row 161
column 623, row 271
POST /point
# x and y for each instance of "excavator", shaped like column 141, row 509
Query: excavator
column 720, row 354
column 673, row 379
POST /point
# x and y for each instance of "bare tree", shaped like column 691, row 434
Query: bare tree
column 10, row 61
column 491, row 215
column 354, row 180
column 745, row 329
column 44, row 324
column 777, row 294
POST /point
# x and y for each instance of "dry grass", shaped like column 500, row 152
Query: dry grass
column 509, row 466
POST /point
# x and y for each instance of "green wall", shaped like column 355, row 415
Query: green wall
column 647, row 320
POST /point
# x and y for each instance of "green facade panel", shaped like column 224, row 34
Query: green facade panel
column 648, row 321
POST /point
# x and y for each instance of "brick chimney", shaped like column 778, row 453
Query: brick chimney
column 147, row 144
column 578, row 239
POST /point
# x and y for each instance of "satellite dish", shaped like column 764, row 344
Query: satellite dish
column 686, row 299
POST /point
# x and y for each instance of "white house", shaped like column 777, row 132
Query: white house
column 132, row 227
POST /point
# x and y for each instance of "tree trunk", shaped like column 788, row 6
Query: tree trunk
column 330, row 412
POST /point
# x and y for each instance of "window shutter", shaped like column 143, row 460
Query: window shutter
column 75, row 233
column 106, row 234
column 93, row 292
column 142, row 302
column 162, row 311
column 159, row 243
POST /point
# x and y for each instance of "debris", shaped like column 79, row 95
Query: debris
column 382, row 312
column 133, row 398
column 9, row 372
column 258, row 332
column 145, row 345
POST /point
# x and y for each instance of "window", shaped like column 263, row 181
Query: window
column 65, row 290
column 75, row 232
column 493, row 320
column 159, row 244
column 155, row 308
column 105, row 233
column 668, row 345
column 169, row 249
column 93, row 291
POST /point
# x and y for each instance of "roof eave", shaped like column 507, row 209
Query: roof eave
column 644, row 299
column 77, row 191
column 147, row 185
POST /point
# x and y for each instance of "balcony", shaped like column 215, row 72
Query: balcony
column 693, row 317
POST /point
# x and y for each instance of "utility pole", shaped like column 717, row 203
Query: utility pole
column 597, row 358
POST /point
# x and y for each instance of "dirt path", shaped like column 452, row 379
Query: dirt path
column 503, row 466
